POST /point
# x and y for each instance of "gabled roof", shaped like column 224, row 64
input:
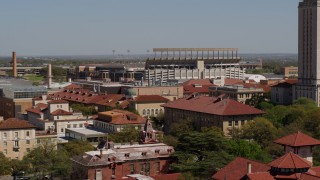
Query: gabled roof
column 72, row 86
column 42, row 106
column 150, row 98
column 238, row 169
column 290, row 161
column 198, row 81
column 260, row 176
column 60, row 112
column 213, row 105
column 297, row 139
column 13, row 123
column 120, row 117
column 58, row 102
column 110, row 100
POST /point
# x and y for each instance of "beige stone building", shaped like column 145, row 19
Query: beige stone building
column 115, row 120
column 148, row 105
column 236, row 92
column 169, row 92
column 55, row 116
column 17, row 138
column 205, row 111
column 290, row 71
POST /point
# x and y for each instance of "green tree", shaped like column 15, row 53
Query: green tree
column 260, row 130
column 5, row 166
column 77, row 147
column 45, row 159
column 127, row 134
column 201, row 153
column 244, row 148
column 86, row 110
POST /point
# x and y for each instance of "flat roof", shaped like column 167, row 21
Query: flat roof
column 87, row 131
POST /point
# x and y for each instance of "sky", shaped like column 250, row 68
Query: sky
column 96, row 27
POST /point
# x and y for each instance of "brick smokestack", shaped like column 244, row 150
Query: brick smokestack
column 49, row 76
column 14, row 64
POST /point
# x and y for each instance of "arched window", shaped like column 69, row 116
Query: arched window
column 144, row 112
column 148, row 111
column 161, row 110
column 152, row 111
column 157, row 111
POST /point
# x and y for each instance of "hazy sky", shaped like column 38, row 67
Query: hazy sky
column 96, row 27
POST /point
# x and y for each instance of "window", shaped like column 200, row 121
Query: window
column 147, row 168
column 28, row 133
column 157, row 111
column 242, row 122
column 4, row 135
column 57, row 106
column 57, row 117
column 236, row 123
column 68, row 125
column 28, row 141
column 132, row 170
column 5, row 143
column 152, row 112
column 142, row 167
column 144, row 112
column 81, row 125
column 158, row 166
column 148, row 111
column 16, row 143
column 61, row 130
column 75, row 125
column 38, row 141
column 230, row 123
column 16, row 134
column 5, row 152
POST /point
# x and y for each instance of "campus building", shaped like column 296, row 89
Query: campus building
column 16, row 96
column 205, row 111
column 192, row 63
column 295, row 164
column 308, row 51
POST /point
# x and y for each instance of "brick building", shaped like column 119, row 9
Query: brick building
column 207, row 111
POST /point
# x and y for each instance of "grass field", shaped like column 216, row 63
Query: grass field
column 34, row 78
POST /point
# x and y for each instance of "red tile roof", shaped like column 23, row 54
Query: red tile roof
column 297, row 139
column 286, row 83
column 119, row 117
column 110, row 100
column 57, row 102
column 174, row 176
column 150, row 98
column 237, row 169
column 314, row 171
column 35, row 110
column 190, row 89
column 309, row 177
column 260, row 176
column 213, row 105
column 198, row 81
column 60, row 112
column 13, row 123
column 290, row 160
column 42, row 106
column 229, row 81
column 73, row 86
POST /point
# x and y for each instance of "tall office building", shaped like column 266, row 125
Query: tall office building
column 308, row 51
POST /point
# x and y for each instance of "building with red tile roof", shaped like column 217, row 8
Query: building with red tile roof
column 239, row 168
column 115, row 120
column 299, row 143
column 148, row 105
column 111, row 101
column 200, row 86
column 17, row 138
column 207, row 111
column 289, row 166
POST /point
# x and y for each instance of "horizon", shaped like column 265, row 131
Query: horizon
column 73, row 28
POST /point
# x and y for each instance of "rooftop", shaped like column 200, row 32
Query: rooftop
column 290, row 161
column 13, row 123
column 87, row 131
column 297, row 139
column 117, row 116
column 150, row 98
column 213, row 105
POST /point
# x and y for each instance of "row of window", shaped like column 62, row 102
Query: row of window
column 236, row 123
column 16, row 134
column 152, row 111
column 5, row 151
column 16, row 143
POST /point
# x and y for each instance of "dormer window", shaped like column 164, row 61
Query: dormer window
column 144, row 153
column 127, row 155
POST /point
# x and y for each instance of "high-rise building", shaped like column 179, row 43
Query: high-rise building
column 308, row 48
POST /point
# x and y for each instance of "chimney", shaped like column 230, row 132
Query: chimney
column 249, row 167
column 14, row 64
column 100, row 153
column 49, row 76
